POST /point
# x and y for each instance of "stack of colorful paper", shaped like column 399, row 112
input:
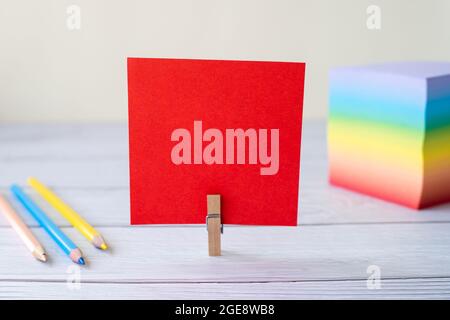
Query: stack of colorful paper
column 389, row 131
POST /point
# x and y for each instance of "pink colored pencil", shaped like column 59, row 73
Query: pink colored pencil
column 22, row 230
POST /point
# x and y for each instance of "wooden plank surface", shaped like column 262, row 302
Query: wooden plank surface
column 252, row 254
column 340, row 235
column 391, row 289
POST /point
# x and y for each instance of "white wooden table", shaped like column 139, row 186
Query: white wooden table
column 340, row 235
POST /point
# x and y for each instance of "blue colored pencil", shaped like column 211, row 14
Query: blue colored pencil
column 49, row 226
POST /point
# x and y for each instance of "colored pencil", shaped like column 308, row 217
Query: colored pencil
column 49, row 226
column 30, row 241
column 71, row 215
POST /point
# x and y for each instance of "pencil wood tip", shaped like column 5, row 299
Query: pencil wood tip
column 77, row 257
column 99, row 242
column 43, row 258
column 40, row 255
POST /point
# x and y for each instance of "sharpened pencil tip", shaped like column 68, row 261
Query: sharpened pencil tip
column 41, row 257
column 40, row 254
column 77, row 256
column 99, row 242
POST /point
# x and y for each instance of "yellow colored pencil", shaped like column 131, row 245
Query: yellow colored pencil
column 67, row 212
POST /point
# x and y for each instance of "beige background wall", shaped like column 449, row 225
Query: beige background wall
column 51, row 74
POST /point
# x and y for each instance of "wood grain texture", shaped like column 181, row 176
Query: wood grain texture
column 178, row 254
column 340, row 235
column 429, row 288
column 214, row 225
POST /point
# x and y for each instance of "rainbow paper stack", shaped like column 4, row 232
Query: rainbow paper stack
column 389, row 131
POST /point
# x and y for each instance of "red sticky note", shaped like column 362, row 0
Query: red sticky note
column 199, row 127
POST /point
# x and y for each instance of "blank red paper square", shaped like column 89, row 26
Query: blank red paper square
column 201, row 127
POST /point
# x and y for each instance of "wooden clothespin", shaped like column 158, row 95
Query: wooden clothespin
column 214, row 224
